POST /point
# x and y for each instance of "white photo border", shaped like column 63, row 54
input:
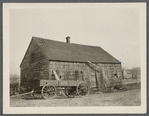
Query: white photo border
column 73, row 110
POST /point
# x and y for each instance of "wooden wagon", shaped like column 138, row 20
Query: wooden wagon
column 50, row 88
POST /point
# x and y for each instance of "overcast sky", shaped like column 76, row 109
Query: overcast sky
column 115, row 29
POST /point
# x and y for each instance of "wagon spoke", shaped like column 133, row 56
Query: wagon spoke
column 44, row 90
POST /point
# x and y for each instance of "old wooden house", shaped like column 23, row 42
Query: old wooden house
column 69, row 61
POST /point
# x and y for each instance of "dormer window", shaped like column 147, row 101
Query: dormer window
column 32, row 57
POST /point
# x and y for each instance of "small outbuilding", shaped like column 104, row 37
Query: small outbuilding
column 127, row 74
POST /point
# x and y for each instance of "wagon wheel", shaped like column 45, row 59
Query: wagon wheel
column 48, row 91
column 70, row 92
column 82, row 89
column 37, row 92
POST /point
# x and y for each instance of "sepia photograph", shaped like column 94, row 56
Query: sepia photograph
column 81, row 58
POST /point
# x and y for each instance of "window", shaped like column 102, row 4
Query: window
column 41, row 73
column 77, row 75
column 68, row 75
column 115, row 74
column 32, row 57
column 82, row 76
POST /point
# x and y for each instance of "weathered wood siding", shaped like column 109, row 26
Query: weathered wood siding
column 69, row 71
column 108, row 72
column 39, row 69
column 72, row 71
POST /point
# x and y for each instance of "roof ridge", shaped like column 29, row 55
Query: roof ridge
column 65, row 42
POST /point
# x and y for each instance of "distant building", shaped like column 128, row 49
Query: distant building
column 127, row 74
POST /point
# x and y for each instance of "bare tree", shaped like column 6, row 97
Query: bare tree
column 14, row 78
column 136, row 72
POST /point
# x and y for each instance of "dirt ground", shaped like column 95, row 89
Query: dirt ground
column 119, row 98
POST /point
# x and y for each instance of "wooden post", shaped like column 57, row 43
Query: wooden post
column 96, row 79
column 103, row 81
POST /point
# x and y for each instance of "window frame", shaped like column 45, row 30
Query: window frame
column 32, row 59
column 115, row 74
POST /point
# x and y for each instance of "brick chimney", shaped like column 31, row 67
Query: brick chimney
column 67, row 39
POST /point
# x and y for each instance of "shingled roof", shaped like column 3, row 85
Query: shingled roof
column 60, row 51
